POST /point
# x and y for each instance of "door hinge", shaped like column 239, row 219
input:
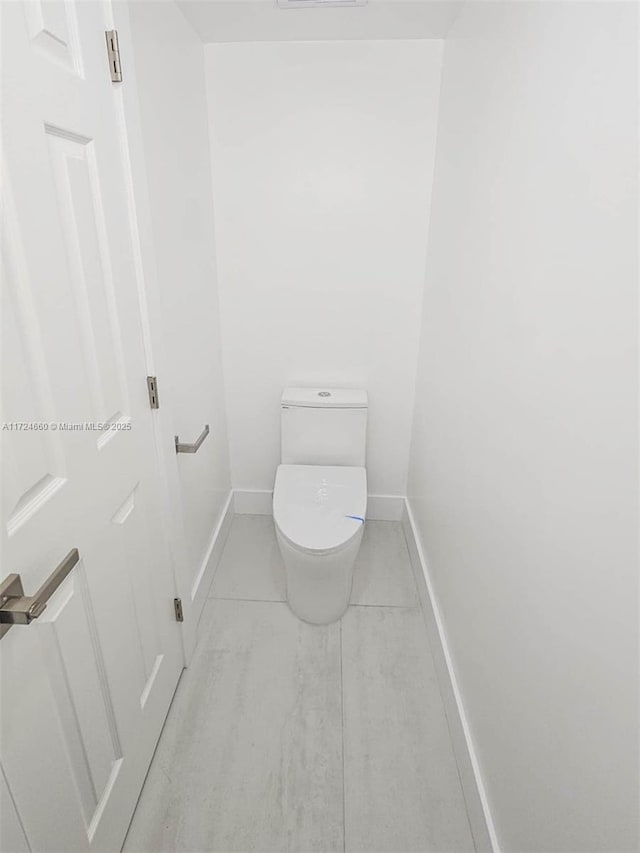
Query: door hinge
column 152, row 387
column 177, row 606
column 113, row 52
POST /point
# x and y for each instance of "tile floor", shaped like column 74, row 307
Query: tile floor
column 284, row 736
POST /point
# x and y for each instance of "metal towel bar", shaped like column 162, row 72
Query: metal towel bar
column 195, row 447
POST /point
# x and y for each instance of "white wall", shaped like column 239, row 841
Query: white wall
column 322, row 162
column 524, row 455
column 169, row 65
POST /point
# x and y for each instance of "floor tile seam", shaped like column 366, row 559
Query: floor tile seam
column 284, row 601
column 248, row 600
column 411, row 607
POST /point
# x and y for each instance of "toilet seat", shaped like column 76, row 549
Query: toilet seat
column 319, row 509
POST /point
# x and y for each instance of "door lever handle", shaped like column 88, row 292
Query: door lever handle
column 16, row 608
column 195, row 447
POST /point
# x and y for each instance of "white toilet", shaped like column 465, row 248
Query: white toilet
column 320, row 497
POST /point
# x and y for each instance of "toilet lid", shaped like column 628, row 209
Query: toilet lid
column 318, row 507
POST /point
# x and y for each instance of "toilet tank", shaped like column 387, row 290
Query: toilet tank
column 324, row 426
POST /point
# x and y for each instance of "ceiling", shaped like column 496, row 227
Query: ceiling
column 263, row 20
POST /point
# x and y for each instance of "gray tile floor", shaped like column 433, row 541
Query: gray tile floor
column 289, row 737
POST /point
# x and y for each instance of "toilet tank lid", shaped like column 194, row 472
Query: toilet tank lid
column 325, row 398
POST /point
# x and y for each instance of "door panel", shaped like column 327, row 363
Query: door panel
column 12, row 837
column 85, row 687
column 53, row 30
column 77, row 187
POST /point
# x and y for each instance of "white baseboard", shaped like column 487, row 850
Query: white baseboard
column 260, row 502
column 253, row 501
column 482, row 827
column 385, row 507
column 204, row 578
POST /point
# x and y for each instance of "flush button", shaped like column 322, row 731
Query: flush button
column 324, row 393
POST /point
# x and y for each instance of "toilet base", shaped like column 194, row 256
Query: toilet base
column 319, row 586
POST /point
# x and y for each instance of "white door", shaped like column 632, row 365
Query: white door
column 87, row 685
column 170, row 78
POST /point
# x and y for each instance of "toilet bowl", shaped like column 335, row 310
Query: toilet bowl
column 319, row 513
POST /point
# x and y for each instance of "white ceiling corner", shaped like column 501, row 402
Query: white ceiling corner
column 264, row 20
